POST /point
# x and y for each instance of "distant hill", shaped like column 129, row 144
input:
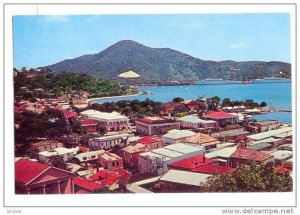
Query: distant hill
column 164, row 64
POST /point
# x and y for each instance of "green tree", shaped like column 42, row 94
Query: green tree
column 101, row 129
column 226, row 102
column 178, row 99
column 216, row 99
column 250, row 178
column 263, row 104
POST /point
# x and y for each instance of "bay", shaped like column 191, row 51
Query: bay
column 276, row 94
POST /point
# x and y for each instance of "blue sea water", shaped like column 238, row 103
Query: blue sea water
column 277, row 95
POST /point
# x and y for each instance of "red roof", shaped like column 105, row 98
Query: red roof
column 240, row 138
column 282, row 169
column 107, row 178
column 219, row 115
column 87, row 184
column 249, row 154
column 211, row 169
column 26, row 170
column 68, row 115
column 86, row 122
column 148, row 140
column 190, row 163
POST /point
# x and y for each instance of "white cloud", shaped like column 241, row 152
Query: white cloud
column 239, row 45
column 56, row 19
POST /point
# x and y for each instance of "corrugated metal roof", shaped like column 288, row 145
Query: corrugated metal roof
column 268, row 134
column 184, row 177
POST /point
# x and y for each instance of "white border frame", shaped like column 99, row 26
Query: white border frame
column 194, row 199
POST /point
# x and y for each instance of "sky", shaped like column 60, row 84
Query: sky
column 45, row 40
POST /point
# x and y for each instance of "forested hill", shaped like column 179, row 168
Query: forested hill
column 164, row 64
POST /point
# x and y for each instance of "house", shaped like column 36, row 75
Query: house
column 113, row 121
column 234, row 109
column 222, row 117
column 275, row 137
column 201, row 164
column 155, row 125
column 89, row 125
column 201, row 139
column 246, row 156
column 83, row 185
column 172, row 107
column 150, row 143
column 99, row 180
column 156, row 160
column 108, row 142
column 110, row 161
column 280, row 156
column 222, row 154
column 36, row 178
column 131, row 154
column 88, row 157
column 173, row 136
column 195, row 122
column 191, row 105
column 263, row 126
column 45, row 145
column 64, row 153
column 283, row 132
column 175, row 181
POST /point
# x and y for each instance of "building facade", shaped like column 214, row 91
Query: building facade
column 155, row 125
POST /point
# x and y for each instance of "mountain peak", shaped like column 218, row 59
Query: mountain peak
column 162, row 64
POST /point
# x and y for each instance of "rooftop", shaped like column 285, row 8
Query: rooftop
column 148, row 140
column 249, row 154
column 110, row 156
column 178, row 134
column 200, row 139
column 97, row 115
column 115, row 136
column 184, row 177
column 58, row 151
column 194, row 119
column 219, row 115
column 91, row 155
column 222, row 153
column 271, row 133
column 135, row 148
column 155, row 120
column 129, row 74
column 26, row 170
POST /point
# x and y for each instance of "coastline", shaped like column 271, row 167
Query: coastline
column 111, row 97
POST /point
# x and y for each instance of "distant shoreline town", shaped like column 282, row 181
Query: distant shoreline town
column 66, row 144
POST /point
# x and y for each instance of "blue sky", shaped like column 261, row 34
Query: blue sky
column 44, row 40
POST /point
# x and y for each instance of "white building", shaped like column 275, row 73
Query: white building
column 157, row 160
column 113, row 121
column 89, row 156
column 175, row 135
column 191, row 121
column 64, row 153
column 108, row 142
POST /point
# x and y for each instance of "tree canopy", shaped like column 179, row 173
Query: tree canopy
column 250, row 178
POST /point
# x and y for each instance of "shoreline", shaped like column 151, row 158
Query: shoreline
column 111, row 97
